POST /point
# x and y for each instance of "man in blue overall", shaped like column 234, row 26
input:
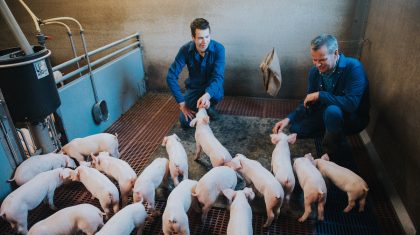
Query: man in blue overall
column 205, row 60
column 337, row 100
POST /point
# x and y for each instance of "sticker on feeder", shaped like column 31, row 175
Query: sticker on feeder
column 41, row 69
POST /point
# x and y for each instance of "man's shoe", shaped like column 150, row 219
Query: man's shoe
column 336, row 146
column 213, row 114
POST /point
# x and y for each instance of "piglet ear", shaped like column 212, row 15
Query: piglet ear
column 325, row 157
column 249, row 193
column 229, row 194
column 165, row 139
column 274, row 138
column 291, row 139
column 193, row 122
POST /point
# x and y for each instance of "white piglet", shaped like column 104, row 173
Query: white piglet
column 16, row 205
column 117, row 169
column 99, row 186
column 264, row 183
column 312, row 184
column 34, row 165
column 346, row 180
column 206, row 141
column 146, row 184
column 240, row 222
column 281, row 164
column 175, row 218
column 178, row 161
column 84, row 217
column 127, row 219
column 80, row 148
column 211, row 185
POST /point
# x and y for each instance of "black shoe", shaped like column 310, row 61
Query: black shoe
column 213, row 114
column 333, row 143
column 336, row 146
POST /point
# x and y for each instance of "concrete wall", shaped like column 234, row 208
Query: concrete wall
column 248, row 29
column 392, row 63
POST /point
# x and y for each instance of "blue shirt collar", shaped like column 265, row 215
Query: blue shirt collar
column 342, row 61
column 209, row 48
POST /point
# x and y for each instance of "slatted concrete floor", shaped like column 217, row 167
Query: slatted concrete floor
column 142, row 128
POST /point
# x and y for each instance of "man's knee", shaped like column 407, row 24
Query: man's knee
column 333, row 119
column 333, row 112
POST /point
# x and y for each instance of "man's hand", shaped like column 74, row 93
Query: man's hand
column 310, row 99
column 280, row 125
column 204, row 101
column 188, row 113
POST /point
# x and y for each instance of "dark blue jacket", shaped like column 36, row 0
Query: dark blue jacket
column 350, row 89
column 206, row 73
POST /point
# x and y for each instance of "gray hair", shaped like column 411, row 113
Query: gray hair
column 325, row 39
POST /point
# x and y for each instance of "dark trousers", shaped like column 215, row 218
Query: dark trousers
column 332, row 119
column 191, row 97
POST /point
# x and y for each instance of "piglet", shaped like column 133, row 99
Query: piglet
column 79, row 148
column 313, row 185
column 264, row 183
column 127, row 219
column 175, row 219
column 118, row 170
column 146, row 184
column 240, row 222
column 178, row 161
column 211, row 185
column 281, row 164
column 99, row 186
column 34, row 165
column 16, row 205
column 84, row 217
column 346, row 180
column 206, row 141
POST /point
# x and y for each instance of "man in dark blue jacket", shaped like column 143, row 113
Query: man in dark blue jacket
column 337, row 100
column 205, row 60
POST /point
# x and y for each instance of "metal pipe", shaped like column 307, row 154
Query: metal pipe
column 64, row 18
column 33, row 16
column 79, row 58
column 69, row 33
column 54, row 131
column 14, row 27
column 71, row 74
column 95, row 93
column 19, row 131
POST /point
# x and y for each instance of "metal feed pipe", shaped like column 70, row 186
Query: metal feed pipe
column 69, row 33
column 14, row 27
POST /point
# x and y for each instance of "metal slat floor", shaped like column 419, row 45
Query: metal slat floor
column 140, row 132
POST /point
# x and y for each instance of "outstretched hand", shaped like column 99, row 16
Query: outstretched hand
column 280, row 125
column 188, row 113
column 204, row 101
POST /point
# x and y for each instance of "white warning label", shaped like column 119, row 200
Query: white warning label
column 41, row 69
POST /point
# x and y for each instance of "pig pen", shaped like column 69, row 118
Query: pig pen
column 244, row 127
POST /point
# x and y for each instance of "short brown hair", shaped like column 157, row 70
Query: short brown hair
column 199, row 23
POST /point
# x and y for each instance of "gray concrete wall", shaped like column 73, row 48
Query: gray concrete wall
column 248, row 29
column 392, row 60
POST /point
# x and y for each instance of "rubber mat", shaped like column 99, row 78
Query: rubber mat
column 140, row 132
